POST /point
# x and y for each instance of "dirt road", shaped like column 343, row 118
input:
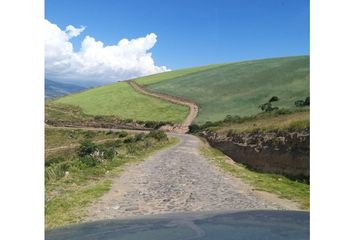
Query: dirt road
column 177, row 179
column 193, row 108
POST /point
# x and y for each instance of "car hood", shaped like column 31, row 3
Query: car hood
column 262, row 224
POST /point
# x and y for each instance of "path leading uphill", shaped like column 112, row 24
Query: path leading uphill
column 177, row 179
column 193, row 108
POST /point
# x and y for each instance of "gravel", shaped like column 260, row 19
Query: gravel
column 177, row 179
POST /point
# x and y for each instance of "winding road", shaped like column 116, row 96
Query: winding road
column 177, row 179
column 193, row 108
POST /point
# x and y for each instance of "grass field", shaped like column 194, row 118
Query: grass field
column 236, row 88
column 173, row 74
column 121, row 100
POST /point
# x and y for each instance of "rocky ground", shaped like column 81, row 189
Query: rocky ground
column 177, row 179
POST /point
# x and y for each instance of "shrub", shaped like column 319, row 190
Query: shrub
column 129, row 140
column 307, row 101
column 54, row 160
column 194, row 128
column 87, row 148
column 303, row 103
column 158, row 135
column 273, row 99
column 139, row 137
column 230, row 133
column 122, row 134
column 131, row 148
column 98, row 118
column 88, row 161
column 267, row 107
column 299, row 103
column 118, row 143
column 56, row 171
column 230, row 118
column 109, row 153
column 109, row 132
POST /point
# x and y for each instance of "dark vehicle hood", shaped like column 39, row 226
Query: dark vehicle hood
column 245, row 225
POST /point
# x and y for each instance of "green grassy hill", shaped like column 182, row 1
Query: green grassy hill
column 236, row 88
column 121, row 100
column 219, row 90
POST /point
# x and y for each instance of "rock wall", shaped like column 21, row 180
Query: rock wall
column 282, row 152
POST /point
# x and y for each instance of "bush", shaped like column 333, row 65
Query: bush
column 108, row 153
column 194, row 128
column 131, row 148
column 307, row 101
column 87, row 148
column 98, row 118
column 56, row 171
column 303, row 103
column 118, row 143
column 122, row 134
column 88, row 161
column 129, row 140
column 158, row 135
column 109, row 132
column 230, row 118
column 273, row 99
column 54, row 160
column 139, row 137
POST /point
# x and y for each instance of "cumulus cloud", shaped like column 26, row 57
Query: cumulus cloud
column 95, row 61
column 73, row 31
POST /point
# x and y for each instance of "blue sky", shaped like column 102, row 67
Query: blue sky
column 194, row 32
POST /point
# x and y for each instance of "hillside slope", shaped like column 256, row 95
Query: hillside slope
column 55, row 89
column 236, row 88
column 122, row 101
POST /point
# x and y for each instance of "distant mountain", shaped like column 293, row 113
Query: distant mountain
column 55, row 89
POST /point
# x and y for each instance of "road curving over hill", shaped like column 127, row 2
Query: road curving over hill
column 193, row 108
column 177, row 179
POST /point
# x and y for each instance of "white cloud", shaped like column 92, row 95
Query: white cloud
column 95, row 61
column 73, row 31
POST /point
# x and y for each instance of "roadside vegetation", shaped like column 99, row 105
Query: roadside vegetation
column 76, row 177
column 272, row 183
column 237, row 87
column 280, row 119
column 122, row 101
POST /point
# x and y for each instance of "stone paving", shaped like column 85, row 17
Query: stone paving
column 177, row 179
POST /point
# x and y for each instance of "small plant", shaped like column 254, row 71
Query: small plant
column 122, row 134
column 131, row 148
column 129, row 140
column 230, row 133
column 118, row 143
column 89, row 134
column 109, row 153
column 158, row 135
column 87, row 148
column 139, row 137
column 194, row 128
column 89, row 161
column 303, row 103
column 109, row 132
column 267, row 107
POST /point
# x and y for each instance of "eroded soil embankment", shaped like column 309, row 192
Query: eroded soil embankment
column 282, row 152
